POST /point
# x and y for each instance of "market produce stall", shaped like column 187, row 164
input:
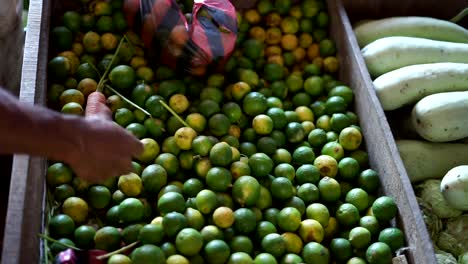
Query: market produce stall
column 284, row 155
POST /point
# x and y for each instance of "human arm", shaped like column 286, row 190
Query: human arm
column 95, row 148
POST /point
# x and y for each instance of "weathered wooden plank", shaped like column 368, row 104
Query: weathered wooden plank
column 24, row 218
column 383, row 153
column 11, row 43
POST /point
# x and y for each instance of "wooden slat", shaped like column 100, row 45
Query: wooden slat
column 26, row 201
column 380, row 144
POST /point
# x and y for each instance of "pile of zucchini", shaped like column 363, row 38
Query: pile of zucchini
column 421, row 64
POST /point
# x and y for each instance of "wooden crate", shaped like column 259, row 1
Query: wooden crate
column 27, row 199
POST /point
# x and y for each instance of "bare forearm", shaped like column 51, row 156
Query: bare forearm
column 34, row 130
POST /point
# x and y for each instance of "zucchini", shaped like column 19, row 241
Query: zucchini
column 427, row 160
column 412, row 26
column 391, row 53
column 454, row 187
column 409, row 84
column 441, row 117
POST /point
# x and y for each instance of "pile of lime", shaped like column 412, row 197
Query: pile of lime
column 263, row 162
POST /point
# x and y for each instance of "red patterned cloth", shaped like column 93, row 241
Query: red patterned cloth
column 209, row 37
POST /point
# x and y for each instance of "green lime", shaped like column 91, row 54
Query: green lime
column 153, row 177
column 317, row 138
column 171, row 202
column 245, row 220
column 107, row 238
column 154, row 127
column 151, row 234
column 327, row 165
column 348, row 168
column 384, row 208
column 218, row 179
column 189, row 241
column 295, row 132
column 370, row 223
column 273, row 72
column 264, row 228
column 362, row 157
column 216, row 252
column 308, row 192
column 99, row 196
column 350, row 138
column 359, row 237
column 119, row 259
column 58, row 173
column 314, row 86
column 379, row 253
column 219, row 124
column 173, row 222
column 341, row 249
column 274, row 244
column 264, row 258
column 318, row 212
column 314, row 252
column 148, row 254
column 289, row 219
column 281, row 188
column 359, row 198
column 260, row 164
column 168, row 248
column 194, row 218
column 221, row 154
column 303, row 155
column 265, row 199
column 61, row 245
column 131, row 210
column 63, row 191
column 192, row 186
column 62, row 38
column 206, row 201
column 335, row 104
column 240, row 258
column 285, row 170
column 271, row 214
column 169, row 162
column 241, row 243
column 282, row 156
column 369, row 181
column 254, row 103
column 343, row 91
column 333, row 149
column 347, row 215
column 307, row 173
column 246, row 191
column 393, row 237
column 130, row 233
column 61, row 225
column 291, row 258
column 339, row 121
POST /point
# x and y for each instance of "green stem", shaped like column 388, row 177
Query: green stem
column 108, row 255
column 58, row 242
column 460, row 16
column 103, row 77
column 174, row 113
column 128, row 100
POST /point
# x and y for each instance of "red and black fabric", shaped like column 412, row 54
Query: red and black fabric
column 212, row 30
